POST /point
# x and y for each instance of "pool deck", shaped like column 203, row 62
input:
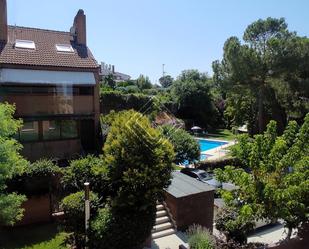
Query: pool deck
column 217, row 152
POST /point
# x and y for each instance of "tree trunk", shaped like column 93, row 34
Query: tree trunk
column 288, row 237
column 261, row 109
column 277, row 113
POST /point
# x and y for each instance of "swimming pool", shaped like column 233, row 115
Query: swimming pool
column 205, row 145
column 209, row 144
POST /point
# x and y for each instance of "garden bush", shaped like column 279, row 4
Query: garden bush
column 200, row 238
column 185, row 146
column 234, row 227
column 139, row 159
column 37, row 178
column 88, row 169
column 210, row 165
column 74, row 214
column 118, row 101
column 139, row 164
column 120, row 230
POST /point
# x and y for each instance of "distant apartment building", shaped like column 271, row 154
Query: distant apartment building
column 53, row 79
column 107, row 69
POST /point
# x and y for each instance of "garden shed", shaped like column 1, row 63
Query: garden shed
column 190, row 201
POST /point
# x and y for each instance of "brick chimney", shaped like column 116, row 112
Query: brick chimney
column 3, row 21
column 79, row 27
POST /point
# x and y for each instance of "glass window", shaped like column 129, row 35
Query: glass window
column 24, row 44
column 41, row 89
column 86, row 90
column 29, row 131
column 64, row 48
column 69, row 129
column 51, row 130
column 15, row 90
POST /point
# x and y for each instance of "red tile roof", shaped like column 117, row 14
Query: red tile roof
column 45, row 53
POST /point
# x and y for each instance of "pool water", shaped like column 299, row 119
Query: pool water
column 206, row 145
column 209, row 144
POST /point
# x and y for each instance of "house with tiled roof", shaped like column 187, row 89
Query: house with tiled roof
column 53, row 80
column 107, row 70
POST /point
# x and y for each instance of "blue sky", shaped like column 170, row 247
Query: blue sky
column 138, row 36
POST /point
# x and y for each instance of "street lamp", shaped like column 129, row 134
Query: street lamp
column 87, row 208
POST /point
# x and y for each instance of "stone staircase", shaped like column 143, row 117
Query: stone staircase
column 164, row 225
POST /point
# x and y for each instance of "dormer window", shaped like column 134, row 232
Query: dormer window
column 67, row 48
column 25, row 44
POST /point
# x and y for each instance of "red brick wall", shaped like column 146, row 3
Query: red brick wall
column 193, row 209
column 51, row 149
column 37, row 210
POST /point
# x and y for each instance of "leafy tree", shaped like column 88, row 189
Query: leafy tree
column 278, row 185
column 192, row 93
column 143, row 82
column 166, row 81
column 234, row 225
column 262, row 75
column 73, row 207
column 140, row 161
column 185, row 146
column 11, row 163
column 109, row 81
column 88, row 169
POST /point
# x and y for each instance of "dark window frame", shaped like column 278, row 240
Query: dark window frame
column 41, row 135
column 46, row 90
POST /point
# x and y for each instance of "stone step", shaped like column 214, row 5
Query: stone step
column 160, row 207
column 162, row 219
column 163, row 233
column 161, row 213
column 162, row 226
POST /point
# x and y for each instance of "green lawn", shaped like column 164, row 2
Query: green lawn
column 176, row 167
column 44, row 236
column 221, row 134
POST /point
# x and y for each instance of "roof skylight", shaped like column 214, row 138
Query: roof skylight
column 64, row 48
column 24, row 44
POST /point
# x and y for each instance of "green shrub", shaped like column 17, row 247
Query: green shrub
column 140, row 161
column 88, row 169
column 185, row 146
column 37, row 179
column 210, row 165
column 118, row 231
column 200, row 238
column 118, row 101
column 235, row 228
column 74, row 214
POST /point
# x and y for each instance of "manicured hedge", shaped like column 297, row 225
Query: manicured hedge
column 119, row 101
column 219, row 163
column 39, row 178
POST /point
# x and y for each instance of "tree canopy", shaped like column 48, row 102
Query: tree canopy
column 139, row 161
column 268, row 74
column 277, row 185
column 191, row 91
column 11, row 163
column 185, row 146
column 166, row 81
column 143, row 82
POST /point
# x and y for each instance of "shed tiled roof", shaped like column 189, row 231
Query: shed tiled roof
column 183, row 185
column 45, row 53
